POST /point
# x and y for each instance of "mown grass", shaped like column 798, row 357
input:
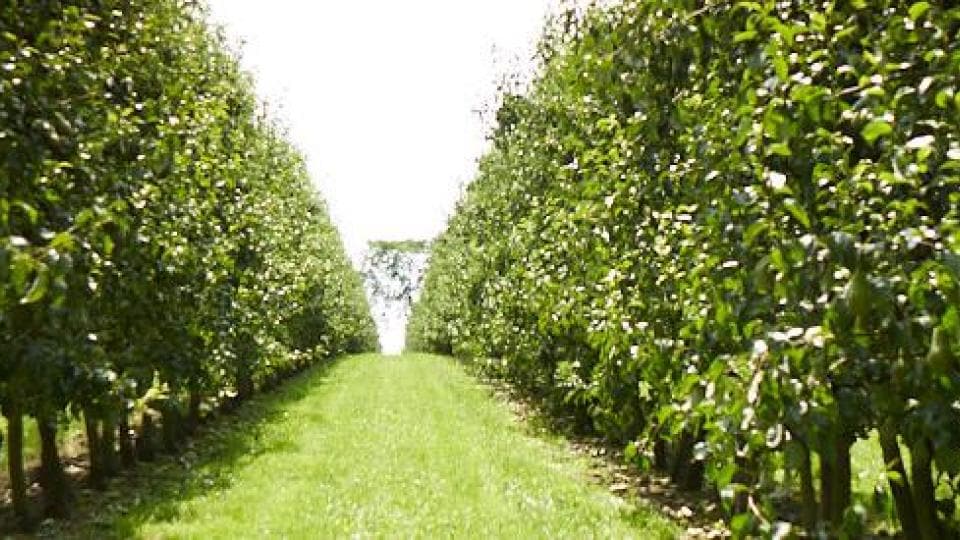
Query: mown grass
column 378, row 446
column 407, row 446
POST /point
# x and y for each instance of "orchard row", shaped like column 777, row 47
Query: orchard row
column 162, row 251
column 726, row 235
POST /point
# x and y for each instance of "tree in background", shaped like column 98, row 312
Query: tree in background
column 394, row 271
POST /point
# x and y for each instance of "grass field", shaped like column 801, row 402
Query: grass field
column 376, row 446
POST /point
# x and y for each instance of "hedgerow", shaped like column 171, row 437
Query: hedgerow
column 161, row 248
column 726, row 235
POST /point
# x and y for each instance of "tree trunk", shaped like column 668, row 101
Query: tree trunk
column 744, row 478
column 146, row 442
column 244, row 384
column 128, row 450
column 661, row 455
column 826, row 486
column 808, row 492
column 97, row 473
column 899, row 485
column 52, row 477
column 843, row 475
column 108, row 447
column 924, row 492
column 835, row 476
column 171, row 427
column 193, row 413
column 18, row 477
column 686, row 472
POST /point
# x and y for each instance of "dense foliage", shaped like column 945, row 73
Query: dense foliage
column 727, row 235
column 161, row 247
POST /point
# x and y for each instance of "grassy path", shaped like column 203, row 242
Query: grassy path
column 379, row 446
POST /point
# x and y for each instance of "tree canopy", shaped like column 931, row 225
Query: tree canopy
column 726, row 235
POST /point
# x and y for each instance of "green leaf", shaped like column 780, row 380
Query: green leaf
column 38, row 289
column 84, row 217
column 750, row 6
column 781, row 68
column 943, row 98
column 755, row 229
column 918, row 9
column 63, row 242
column 21, row 267
column 31, row 212
column 797, row 212
column 818, row 22
column 746, row 35
column 108, row 245
column 876, row 129
column 778, row 261
column 644, row 390
column 952, row 263
column 630, row 452
column 779, row 149
column 741, row 524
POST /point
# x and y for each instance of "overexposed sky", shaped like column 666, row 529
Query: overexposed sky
column 381, row 95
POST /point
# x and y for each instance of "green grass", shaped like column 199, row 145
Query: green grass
column 870, row 475
column 869, row 469
column 407, row 446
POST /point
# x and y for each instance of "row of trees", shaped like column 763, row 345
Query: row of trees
column 726, row 234
column 161, row 248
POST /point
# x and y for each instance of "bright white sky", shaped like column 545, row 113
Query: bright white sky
column 381, row 96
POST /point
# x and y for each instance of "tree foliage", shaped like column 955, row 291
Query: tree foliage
column 393, row 270
column 726, row 234
column 161, row 247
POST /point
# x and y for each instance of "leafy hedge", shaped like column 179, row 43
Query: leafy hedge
column 161, row 247
column 727, row 235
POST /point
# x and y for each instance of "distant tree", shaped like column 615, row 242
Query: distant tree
column 394, row 269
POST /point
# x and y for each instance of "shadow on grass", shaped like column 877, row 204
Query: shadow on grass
column 155, row 491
